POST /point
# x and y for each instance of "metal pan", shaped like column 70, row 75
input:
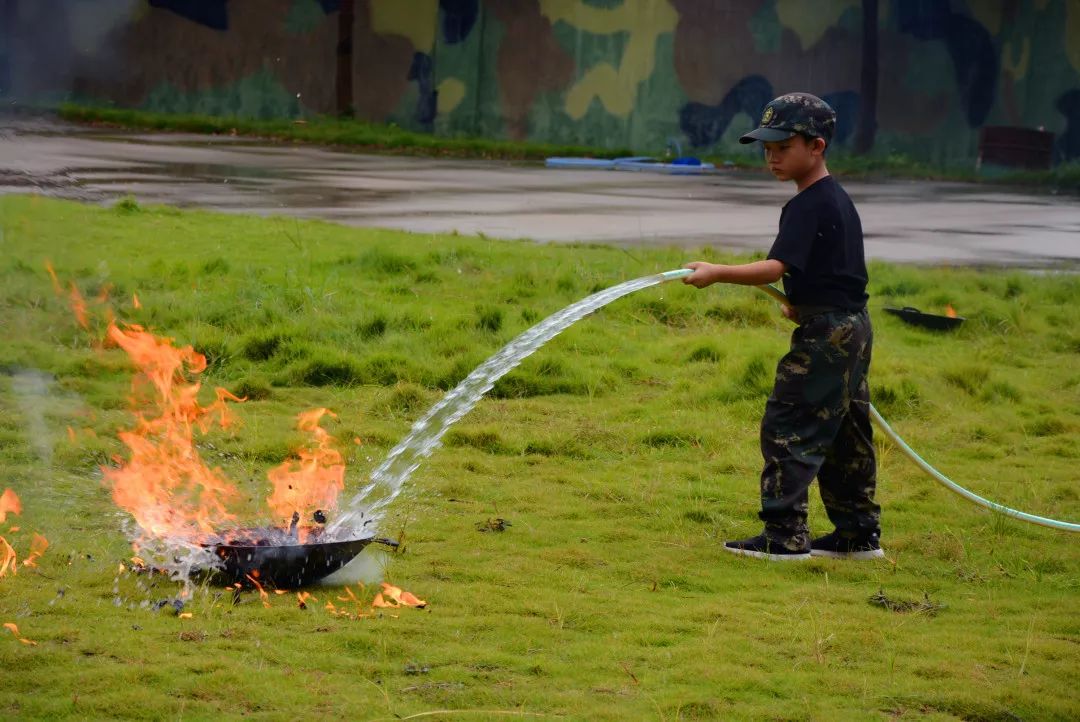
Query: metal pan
column 926, row 320
column 287, row 566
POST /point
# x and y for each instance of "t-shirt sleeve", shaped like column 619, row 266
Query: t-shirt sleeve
column 798, row 228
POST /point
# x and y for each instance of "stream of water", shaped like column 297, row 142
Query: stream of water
column 388, row 478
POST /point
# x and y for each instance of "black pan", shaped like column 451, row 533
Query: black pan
column 927, row 320
column 286, row 566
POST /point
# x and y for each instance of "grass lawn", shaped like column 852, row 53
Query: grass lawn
column 623, row 454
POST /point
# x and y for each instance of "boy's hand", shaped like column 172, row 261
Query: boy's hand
column 789, row 313
column 704, row 274
column 748, row 274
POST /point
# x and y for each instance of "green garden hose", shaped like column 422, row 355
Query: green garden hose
column 778, row 295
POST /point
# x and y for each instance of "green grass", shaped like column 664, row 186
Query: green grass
column 622, row 454
column 374, row 137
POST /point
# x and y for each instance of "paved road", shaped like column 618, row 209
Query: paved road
column 904, row 221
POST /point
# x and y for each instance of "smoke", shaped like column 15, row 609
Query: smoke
column 50, row 48
column 31, row 390
column 368, row 567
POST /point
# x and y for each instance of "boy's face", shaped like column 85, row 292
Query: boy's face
column 793, row 158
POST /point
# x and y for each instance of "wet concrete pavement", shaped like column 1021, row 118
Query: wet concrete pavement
column 906, row 221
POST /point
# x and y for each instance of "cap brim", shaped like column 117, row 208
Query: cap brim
column 767, row 135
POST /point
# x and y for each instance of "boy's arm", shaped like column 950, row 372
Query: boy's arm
column 748, row 274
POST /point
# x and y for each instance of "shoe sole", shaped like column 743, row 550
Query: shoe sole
column 868, row 554
column 769, row 557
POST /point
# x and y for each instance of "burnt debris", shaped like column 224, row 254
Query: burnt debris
column 496, row 524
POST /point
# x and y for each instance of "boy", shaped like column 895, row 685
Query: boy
column 817, row 420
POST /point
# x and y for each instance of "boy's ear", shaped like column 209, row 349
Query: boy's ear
column 819, row 145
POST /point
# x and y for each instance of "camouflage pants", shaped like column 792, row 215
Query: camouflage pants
column 817, row 423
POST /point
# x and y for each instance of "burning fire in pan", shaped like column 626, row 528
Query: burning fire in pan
column 164, row 483
column 174, row 496
column 184, row 509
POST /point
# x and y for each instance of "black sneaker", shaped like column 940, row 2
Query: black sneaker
column 760, row 547
column 838, row 547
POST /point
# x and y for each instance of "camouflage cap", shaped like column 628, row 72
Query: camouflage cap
column 791, row 114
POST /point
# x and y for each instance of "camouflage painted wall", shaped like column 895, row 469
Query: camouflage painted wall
column 602, row 72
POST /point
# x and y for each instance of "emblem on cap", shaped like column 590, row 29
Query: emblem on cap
column 767, row 116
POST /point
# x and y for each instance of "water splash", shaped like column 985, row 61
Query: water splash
column 388, row 478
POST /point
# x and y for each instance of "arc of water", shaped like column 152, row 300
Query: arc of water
column 425, row 435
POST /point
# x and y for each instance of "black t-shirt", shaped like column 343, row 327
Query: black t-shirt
column 821, row 242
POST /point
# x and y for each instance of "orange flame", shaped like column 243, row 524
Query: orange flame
column 390, row 597
column 315, row 479
column 78, row 305
column 165, row 485
column 38, row 545
column 10, row 626
column 8, row 559
column 400, row 597
column 950, row 311
column 57, row 287
column 9, row 502
column 262, row 592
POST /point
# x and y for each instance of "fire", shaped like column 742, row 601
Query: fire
column 161, row 480
column 397, row 598
column 950, row 311
column 57, row 287
column 165, row 485
column 263, row 595
column 9, row 503
column 313, row 481
column 78, row 305
column 11, row 627
column 38, row 545
column 9, row 559
column 390, row 597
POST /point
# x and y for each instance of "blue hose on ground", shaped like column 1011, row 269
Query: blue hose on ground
column 778, row 295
